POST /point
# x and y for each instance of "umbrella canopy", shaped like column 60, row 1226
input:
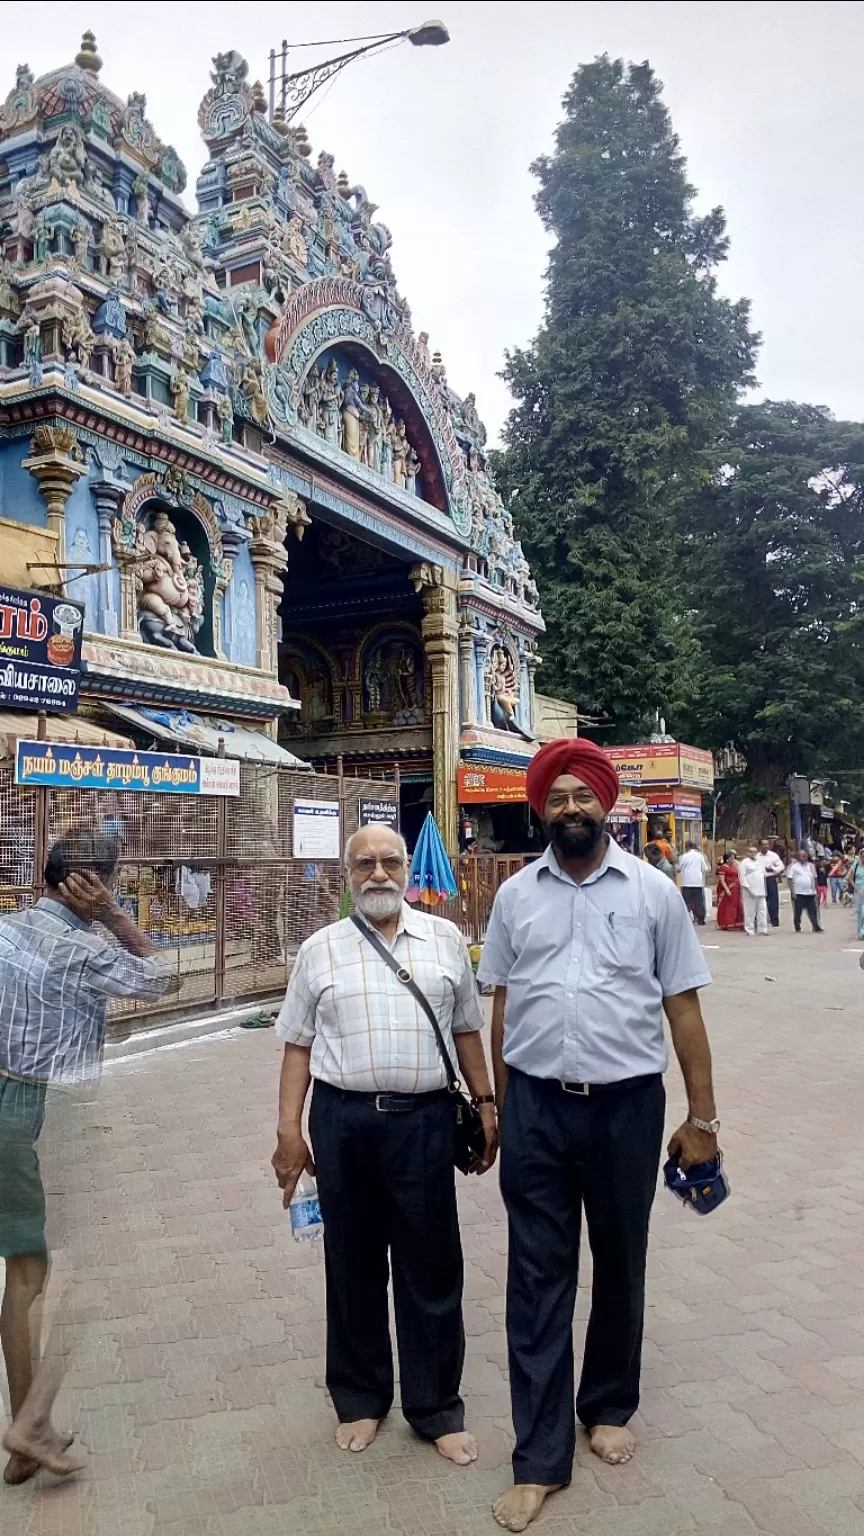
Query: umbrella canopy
column 431, row 878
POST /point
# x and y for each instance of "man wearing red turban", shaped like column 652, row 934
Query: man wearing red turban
column 587, row 947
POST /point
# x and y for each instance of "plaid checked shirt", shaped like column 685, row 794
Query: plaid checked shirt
column 366, row 1031
column 55, row 977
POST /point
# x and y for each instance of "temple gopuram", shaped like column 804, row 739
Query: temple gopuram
column 222, row 434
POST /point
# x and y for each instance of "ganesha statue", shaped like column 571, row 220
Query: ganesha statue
column 169, row 587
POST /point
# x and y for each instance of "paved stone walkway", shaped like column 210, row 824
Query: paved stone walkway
column 196, row 1324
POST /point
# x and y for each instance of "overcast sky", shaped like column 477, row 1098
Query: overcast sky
column 766, row 98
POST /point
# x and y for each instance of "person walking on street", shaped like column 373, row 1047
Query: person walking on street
column 586, row 950
column 821, row 883
column 56, row 975
column 837, row 871
column 802, row 878
column 773, row 867
column 657, row 858
column 382, row 1129
column 753, row 893
column 693, row 867
column 856, row 885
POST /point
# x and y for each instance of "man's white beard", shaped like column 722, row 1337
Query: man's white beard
column 379, row 901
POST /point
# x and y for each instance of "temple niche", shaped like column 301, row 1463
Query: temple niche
column 393, row 683
column 351, row 411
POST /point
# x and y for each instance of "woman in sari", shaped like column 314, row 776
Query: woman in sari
column 730, row 908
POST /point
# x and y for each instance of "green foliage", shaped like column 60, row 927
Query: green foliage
column 634, row 371
column 774, row 554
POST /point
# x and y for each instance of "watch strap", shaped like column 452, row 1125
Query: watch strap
column 709, row 1126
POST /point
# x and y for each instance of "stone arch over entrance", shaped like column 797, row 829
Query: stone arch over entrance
column 334, row 313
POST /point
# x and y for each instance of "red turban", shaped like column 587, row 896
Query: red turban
column 584, row 759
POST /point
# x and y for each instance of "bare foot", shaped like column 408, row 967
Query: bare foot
column 461, row 1448
column 520, row 1505
column 34, row 1448
column 356, row 1436
column 612, row 1443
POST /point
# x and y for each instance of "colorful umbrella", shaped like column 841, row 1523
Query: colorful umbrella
column 431, row 878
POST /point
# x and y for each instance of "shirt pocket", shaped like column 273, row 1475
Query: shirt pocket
column 625, row 946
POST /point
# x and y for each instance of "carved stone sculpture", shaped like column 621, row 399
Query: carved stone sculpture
column 66, row 162
column 225, row 414
column 180, row 391
column 124, row 357
column 111, row 250
column 169, row 587
column 78, row 337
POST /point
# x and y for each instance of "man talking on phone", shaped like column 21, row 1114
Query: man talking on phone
column 56, row 975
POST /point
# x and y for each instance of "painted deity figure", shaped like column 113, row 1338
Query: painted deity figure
column 352, row 407
column 225, row 414
column 124, row 357
column 78, row 337
column 374, row 428
column 32, row 339
column 330, row 406
column 412, row 470
column 141, row 188
column 364, row 423
column 386, row 465
column 374, row 680
column 67, row 160
column 406, row 678
column 309, row 399
column 180, row 390
column 168, row 609
column 111, row 250
column 81, row 242
column 251, row 383
column 401, row 448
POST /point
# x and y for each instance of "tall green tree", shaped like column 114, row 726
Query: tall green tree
column 774, row 556
column 636, row 368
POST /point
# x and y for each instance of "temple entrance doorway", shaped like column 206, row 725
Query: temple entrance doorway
column 351, row 650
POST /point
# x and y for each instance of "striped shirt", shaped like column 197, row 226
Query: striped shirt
column 56, row 975
column 365, row 1030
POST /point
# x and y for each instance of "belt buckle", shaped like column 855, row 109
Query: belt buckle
column 378, row 1105
column 582, row 1090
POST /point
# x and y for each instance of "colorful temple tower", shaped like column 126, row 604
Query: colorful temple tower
column 222, row 434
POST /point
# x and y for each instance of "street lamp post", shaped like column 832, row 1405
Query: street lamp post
column 294, row 89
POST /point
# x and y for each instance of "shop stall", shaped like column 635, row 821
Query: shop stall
column 671, row 777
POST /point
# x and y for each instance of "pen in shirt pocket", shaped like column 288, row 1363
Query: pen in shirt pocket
column 610, row 918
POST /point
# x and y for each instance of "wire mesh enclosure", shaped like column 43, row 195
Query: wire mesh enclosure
column 214, row 882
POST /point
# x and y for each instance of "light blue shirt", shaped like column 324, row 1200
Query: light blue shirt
column 587, row 966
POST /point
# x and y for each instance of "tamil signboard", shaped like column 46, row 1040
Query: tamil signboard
column 663, row 762
column 489, row 786
column 379, row 813
column 316, row 829
column 40, row 650
column 60, row 766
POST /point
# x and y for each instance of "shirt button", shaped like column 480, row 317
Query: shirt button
column 578, row 925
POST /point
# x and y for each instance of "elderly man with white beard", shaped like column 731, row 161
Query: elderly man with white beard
column 382, row 1126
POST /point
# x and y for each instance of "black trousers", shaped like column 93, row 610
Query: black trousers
column 694, row 900
column 805, row 904
column 386, row 1184
column 559, row 1153
column 772, row 900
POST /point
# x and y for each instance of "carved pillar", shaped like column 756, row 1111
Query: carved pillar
column 56, row 462
column 269, row 561
column 533, row 661
column 441, row 643
column 467, row 680
column 481, row 654
column 108, row 493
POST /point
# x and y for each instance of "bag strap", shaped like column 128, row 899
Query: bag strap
column 402, row 973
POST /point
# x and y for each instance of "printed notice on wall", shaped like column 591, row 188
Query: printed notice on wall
column 219, row 776
column 316, row 829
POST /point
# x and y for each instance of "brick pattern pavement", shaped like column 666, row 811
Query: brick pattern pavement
column 195, row 1324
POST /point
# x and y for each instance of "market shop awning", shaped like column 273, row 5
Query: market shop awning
column 76, row 729
column 205, row 732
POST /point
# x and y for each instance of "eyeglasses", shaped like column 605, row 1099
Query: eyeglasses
column 392, row 864
column 558, row 799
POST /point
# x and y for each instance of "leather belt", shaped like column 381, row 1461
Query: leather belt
column 394, row 1103
column 582, row 1090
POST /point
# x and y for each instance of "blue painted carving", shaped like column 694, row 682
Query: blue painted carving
column 214, row 374
column 110, row 317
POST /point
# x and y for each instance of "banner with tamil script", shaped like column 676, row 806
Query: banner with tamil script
column 61, row 766
column 40, row 650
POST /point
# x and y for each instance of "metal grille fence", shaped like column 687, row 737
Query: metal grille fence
column 213, row 882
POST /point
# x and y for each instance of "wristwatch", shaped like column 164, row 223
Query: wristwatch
column 710, row 1127
column 483, row 1098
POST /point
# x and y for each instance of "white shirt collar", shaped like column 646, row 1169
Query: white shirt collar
column 614, row 859
column 412, row 922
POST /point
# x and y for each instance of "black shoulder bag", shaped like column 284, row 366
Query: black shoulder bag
column 470, row 1142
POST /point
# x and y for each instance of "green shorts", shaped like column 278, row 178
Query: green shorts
column 22, row 1195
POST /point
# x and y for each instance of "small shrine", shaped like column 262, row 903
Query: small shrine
column 238, row 452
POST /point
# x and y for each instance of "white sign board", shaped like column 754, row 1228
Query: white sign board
column 316, row 829
column 220, row 776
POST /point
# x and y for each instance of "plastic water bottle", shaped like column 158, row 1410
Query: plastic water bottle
column 305, row 1211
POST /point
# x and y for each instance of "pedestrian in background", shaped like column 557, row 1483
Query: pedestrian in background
column 774, row 867
column 801, row 875
column 822, row 883
column 856, row 885
column 730, row 908
column 656, row 857
column 693, row 867
column 56, row 975
column 837, row 871
column 753, row 893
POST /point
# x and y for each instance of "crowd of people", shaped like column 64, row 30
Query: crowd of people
column 748, row 886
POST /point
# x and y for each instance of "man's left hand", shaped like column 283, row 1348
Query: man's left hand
column 691, row 1146
column 490, row 1127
